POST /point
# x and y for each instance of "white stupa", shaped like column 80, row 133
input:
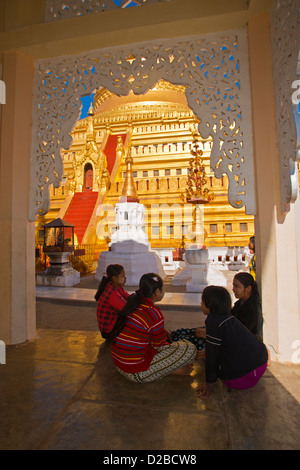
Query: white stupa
column 129, row 243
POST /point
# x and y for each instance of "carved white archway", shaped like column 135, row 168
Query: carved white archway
column 58, row 9
column 214, row 69
column 285, row 38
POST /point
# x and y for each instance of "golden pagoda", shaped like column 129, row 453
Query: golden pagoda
column 140, row 147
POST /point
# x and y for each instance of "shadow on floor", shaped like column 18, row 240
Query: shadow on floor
column 62, row 391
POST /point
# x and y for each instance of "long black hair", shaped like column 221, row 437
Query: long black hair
column 148, row 284
column 217, row 299
column 248, row 280
column 111, row 270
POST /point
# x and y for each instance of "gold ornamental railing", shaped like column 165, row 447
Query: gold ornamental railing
column 84, row 258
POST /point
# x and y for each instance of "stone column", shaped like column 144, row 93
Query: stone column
column 277, row 234
column 17, row 273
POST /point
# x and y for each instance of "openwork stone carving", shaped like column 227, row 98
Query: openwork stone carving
column 285, row 27
column 59, row 9
column 214, row 69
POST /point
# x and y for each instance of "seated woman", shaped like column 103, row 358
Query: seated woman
column 248, row 306
column 247, row 309
column 232, row 353
column 139, row 346
column 111, row 298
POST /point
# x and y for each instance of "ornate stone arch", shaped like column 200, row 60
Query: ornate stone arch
column 214, row 69
column 285, row 37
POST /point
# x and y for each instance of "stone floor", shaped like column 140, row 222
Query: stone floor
column 61, row 391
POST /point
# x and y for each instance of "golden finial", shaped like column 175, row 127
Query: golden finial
column 129, row 193
column 196, row 192
column 90, row 133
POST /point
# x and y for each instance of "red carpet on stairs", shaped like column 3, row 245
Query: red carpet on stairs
column 110, row 150
column 80, row 211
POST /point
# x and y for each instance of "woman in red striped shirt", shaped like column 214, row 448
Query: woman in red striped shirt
column 140, row 347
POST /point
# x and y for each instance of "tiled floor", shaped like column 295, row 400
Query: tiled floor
column 62, row 391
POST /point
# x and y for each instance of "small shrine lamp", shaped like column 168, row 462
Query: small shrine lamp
column 59, row 241
column 60, row 272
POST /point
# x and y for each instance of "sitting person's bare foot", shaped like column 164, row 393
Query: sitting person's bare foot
column 269, row 358
column 200, row 354
column 200, row 332
column 185, row 370
column 169, row 335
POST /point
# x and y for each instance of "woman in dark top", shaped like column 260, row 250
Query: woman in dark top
column 233, row 353
column 248, row 306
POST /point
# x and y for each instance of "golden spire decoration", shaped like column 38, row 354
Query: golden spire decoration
column 129, row 193
column 196, row 191
column 90, row 132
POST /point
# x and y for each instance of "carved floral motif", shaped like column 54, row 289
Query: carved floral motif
column 285, row 27
column 60, row 9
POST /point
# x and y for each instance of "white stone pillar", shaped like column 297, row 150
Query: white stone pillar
column 277, row 235
column 17, row 273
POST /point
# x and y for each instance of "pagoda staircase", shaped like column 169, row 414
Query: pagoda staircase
column 80, row 211
column 110, row 152
column 82, row 208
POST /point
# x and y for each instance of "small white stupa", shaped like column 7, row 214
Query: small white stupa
column 129, row 243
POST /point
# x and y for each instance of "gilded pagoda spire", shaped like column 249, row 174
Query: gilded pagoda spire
column 129, row 193
column 196, row 191
column 90, row 132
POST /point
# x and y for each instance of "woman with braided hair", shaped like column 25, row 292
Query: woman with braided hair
column 232, row 353
column 140, row 347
